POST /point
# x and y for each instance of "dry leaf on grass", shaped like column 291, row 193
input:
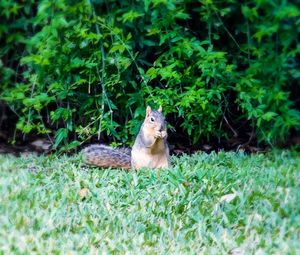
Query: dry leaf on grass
column 83, row 193
column 228, row 198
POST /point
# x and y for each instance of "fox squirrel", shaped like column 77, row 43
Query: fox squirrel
column 150, row 148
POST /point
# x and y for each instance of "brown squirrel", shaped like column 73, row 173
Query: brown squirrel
column 150, row 148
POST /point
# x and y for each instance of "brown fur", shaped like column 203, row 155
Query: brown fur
column 149, row 150
column 104, row 156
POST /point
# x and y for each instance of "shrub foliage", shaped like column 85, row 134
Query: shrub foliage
column 87, row 68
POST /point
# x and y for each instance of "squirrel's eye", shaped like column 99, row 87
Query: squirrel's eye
column 152, row 119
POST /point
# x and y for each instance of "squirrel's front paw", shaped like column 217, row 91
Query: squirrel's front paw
column 160, row 134
column 163, row 134
column 157, row 134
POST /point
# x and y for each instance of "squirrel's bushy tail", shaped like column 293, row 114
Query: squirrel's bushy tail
column 104, row 156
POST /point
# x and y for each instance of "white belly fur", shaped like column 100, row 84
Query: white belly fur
column 147, row 158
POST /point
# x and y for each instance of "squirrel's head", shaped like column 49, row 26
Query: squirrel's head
column 155, row 119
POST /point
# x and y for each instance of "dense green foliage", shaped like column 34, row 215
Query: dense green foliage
column 224, row 203
column 87, row 68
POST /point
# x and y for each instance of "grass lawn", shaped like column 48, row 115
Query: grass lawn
column 224, row 203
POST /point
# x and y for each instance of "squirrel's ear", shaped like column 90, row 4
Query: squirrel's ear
column 159, row 109
column 148, row 110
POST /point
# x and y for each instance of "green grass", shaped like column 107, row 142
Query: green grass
column 224, row 203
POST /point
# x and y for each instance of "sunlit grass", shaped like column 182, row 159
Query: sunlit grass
column 224, row 203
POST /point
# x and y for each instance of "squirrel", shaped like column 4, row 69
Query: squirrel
column 150, row 148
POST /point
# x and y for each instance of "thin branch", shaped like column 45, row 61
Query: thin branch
column 248, row 40
column 231, row 36
column 101, row 78
column 29, row 110
column 235, row 134
column 49, row 137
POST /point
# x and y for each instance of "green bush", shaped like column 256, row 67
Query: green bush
column 90, row 68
